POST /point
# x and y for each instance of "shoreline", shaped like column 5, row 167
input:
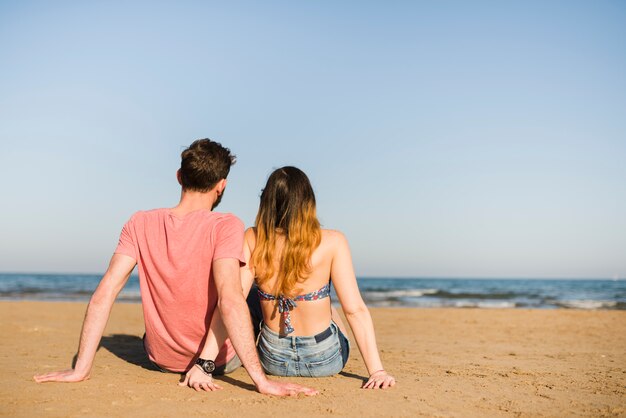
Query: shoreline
column 336, row 304
column 448, row 362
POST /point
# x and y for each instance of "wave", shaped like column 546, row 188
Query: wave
column 487, row 305
column 434, row 303
column 129, row 296
column 475, row 295
column 25, row 293
column 587, row 304
column 396, row 294
column 443, row 294
column 61, row 295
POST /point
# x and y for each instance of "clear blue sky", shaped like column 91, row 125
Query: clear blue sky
column 468, row 139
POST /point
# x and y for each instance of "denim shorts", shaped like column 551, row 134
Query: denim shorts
column 322, row 355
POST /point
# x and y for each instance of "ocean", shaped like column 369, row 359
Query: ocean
column 387, row 292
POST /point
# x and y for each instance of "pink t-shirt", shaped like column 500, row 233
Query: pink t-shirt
column 174, row 258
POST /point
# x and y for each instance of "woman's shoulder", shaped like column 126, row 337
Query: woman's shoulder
column 331, row 233
column 333, row 237
column 250, row 236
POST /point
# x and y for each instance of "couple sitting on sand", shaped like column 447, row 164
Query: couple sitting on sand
column 196, row 267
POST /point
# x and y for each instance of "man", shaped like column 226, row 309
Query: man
column 188, row 259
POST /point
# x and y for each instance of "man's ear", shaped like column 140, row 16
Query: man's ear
column 178, row 177
column 220, row 186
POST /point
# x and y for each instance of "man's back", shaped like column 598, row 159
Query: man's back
column 174, row 255
column 189, row 262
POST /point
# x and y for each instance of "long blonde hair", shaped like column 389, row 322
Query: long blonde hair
column 287, row 209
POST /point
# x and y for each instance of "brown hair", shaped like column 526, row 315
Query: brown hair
column 287, row 209
column 204, row 164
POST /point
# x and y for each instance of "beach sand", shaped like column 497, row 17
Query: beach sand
column 448, row 362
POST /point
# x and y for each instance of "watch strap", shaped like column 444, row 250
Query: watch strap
column 207, row 366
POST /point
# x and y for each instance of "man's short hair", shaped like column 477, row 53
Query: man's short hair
column 204, row 164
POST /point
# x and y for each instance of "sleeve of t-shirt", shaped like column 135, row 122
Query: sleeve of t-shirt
column 126, row 244
column 229, row 239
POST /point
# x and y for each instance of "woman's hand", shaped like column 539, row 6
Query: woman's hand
column 199, row 380
column 379, row 379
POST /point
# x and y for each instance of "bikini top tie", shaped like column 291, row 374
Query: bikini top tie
column 285, row 304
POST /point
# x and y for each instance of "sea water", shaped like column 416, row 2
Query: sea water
column 389, row 292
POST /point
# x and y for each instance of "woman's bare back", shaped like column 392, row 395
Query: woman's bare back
column 309, row 317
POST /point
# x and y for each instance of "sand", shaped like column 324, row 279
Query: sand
column 448, row 362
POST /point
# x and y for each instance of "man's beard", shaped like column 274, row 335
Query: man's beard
column 218, row 200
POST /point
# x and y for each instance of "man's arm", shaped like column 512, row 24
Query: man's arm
column 96, row 319
column 236, row 317
column 216, row 336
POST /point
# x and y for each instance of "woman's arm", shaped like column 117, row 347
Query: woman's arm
column 357, row 314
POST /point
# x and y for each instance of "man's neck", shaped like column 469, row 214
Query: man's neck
column 191, row 201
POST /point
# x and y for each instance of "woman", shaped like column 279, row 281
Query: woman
column 292, row 261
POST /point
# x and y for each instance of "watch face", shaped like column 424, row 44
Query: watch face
column 208, row 366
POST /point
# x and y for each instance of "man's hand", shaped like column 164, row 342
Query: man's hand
column 236, row 317
column 272, row 387
column 198, row 380
column 67, row 376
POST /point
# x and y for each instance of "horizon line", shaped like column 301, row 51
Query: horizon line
column 366, row 277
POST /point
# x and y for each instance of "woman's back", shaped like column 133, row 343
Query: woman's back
column 293, row 260
column 309, row 317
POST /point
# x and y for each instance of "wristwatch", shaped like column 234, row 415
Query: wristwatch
column 207, row 366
